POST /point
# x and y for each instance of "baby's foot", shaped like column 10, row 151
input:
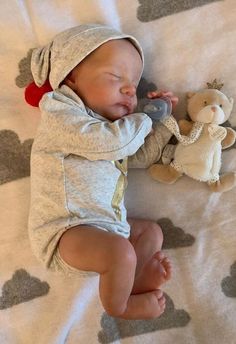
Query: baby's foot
column 155, row 272
column 145, row 306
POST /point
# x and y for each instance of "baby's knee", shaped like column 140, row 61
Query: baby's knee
column 123, row 252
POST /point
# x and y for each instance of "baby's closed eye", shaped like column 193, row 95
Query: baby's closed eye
column 114, row 76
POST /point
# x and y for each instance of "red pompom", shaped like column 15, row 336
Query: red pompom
column 33, row 93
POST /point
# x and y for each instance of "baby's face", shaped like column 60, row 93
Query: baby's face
column 107, row 79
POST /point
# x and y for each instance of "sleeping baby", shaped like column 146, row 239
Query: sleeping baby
column 88, row 137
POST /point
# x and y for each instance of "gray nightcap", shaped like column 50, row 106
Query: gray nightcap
column 57, row 59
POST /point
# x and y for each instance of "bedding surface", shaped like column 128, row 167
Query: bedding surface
column 186, row 44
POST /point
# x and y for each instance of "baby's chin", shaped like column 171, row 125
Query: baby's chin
column 116, row 112
column 114, row 116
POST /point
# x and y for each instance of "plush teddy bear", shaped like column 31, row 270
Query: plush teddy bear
column 198, row 152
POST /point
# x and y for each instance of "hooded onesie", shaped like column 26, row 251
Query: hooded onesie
column 79, row 159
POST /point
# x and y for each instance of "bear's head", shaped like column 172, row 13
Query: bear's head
column 209, row 106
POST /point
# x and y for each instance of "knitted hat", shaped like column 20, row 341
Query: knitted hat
column 57, row 59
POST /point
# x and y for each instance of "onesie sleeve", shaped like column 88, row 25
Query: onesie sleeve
column 150, row 152
column 67, row 128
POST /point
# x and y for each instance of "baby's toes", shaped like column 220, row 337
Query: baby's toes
column 159, row 294
column 159, row 256
column 162, row 303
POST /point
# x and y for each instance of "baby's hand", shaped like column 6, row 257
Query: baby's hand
column 158, row 94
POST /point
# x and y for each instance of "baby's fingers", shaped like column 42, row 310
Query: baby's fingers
column 174, row 100
column 158, row 94
column 154, row 94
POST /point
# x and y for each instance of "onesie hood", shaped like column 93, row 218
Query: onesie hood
column 57, row 59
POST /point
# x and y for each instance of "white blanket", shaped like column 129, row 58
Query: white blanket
column 187, row 43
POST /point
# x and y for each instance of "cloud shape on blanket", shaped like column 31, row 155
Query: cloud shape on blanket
column 150, row 10
column 174, row 237
column 25, row 77
column 22, row 287
column 144, row 87
column 115, row 329
column 14, row 156
column 228, row 284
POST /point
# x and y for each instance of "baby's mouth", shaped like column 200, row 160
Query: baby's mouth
column 128, row 106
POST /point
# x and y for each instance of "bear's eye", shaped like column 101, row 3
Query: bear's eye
column 221, row 105
column 205, row 103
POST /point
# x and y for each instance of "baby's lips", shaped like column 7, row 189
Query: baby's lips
column 128, row 106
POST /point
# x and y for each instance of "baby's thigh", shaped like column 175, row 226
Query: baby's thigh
column 89, row 248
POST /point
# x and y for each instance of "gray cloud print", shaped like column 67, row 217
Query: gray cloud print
column 144, row 87
column 14, row 156
column 21, row 288
column 25, row 76
column 150, row 10
column 115, row 329
column 174, row 237
column 228, row 284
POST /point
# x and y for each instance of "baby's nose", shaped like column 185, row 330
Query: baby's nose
column 129, row 90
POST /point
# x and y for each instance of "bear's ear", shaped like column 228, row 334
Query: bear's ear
column 190, row 94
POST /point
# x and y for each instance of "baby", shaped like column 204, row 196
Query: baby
column 88, row 136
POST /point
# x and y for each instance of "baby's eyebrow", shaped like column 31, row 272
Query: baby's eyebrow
column 111, row 69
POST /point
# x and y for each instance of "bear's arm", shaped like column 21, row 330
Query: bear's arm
column 230, row 138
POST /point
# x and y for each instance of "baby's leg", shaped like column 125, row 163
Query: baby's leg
column 153, row 268
column 114, row 258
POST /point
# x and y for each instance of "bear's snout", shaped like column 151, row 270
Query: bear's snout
column 214, row 108
column 211, row 114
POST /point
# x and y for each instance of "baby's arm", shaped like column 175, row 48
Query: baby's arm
column 73, row 131
column 150, row 152
column 152, row 149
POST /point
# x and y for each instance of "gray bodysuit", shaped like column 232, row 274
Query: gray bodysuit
column 78, row 169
